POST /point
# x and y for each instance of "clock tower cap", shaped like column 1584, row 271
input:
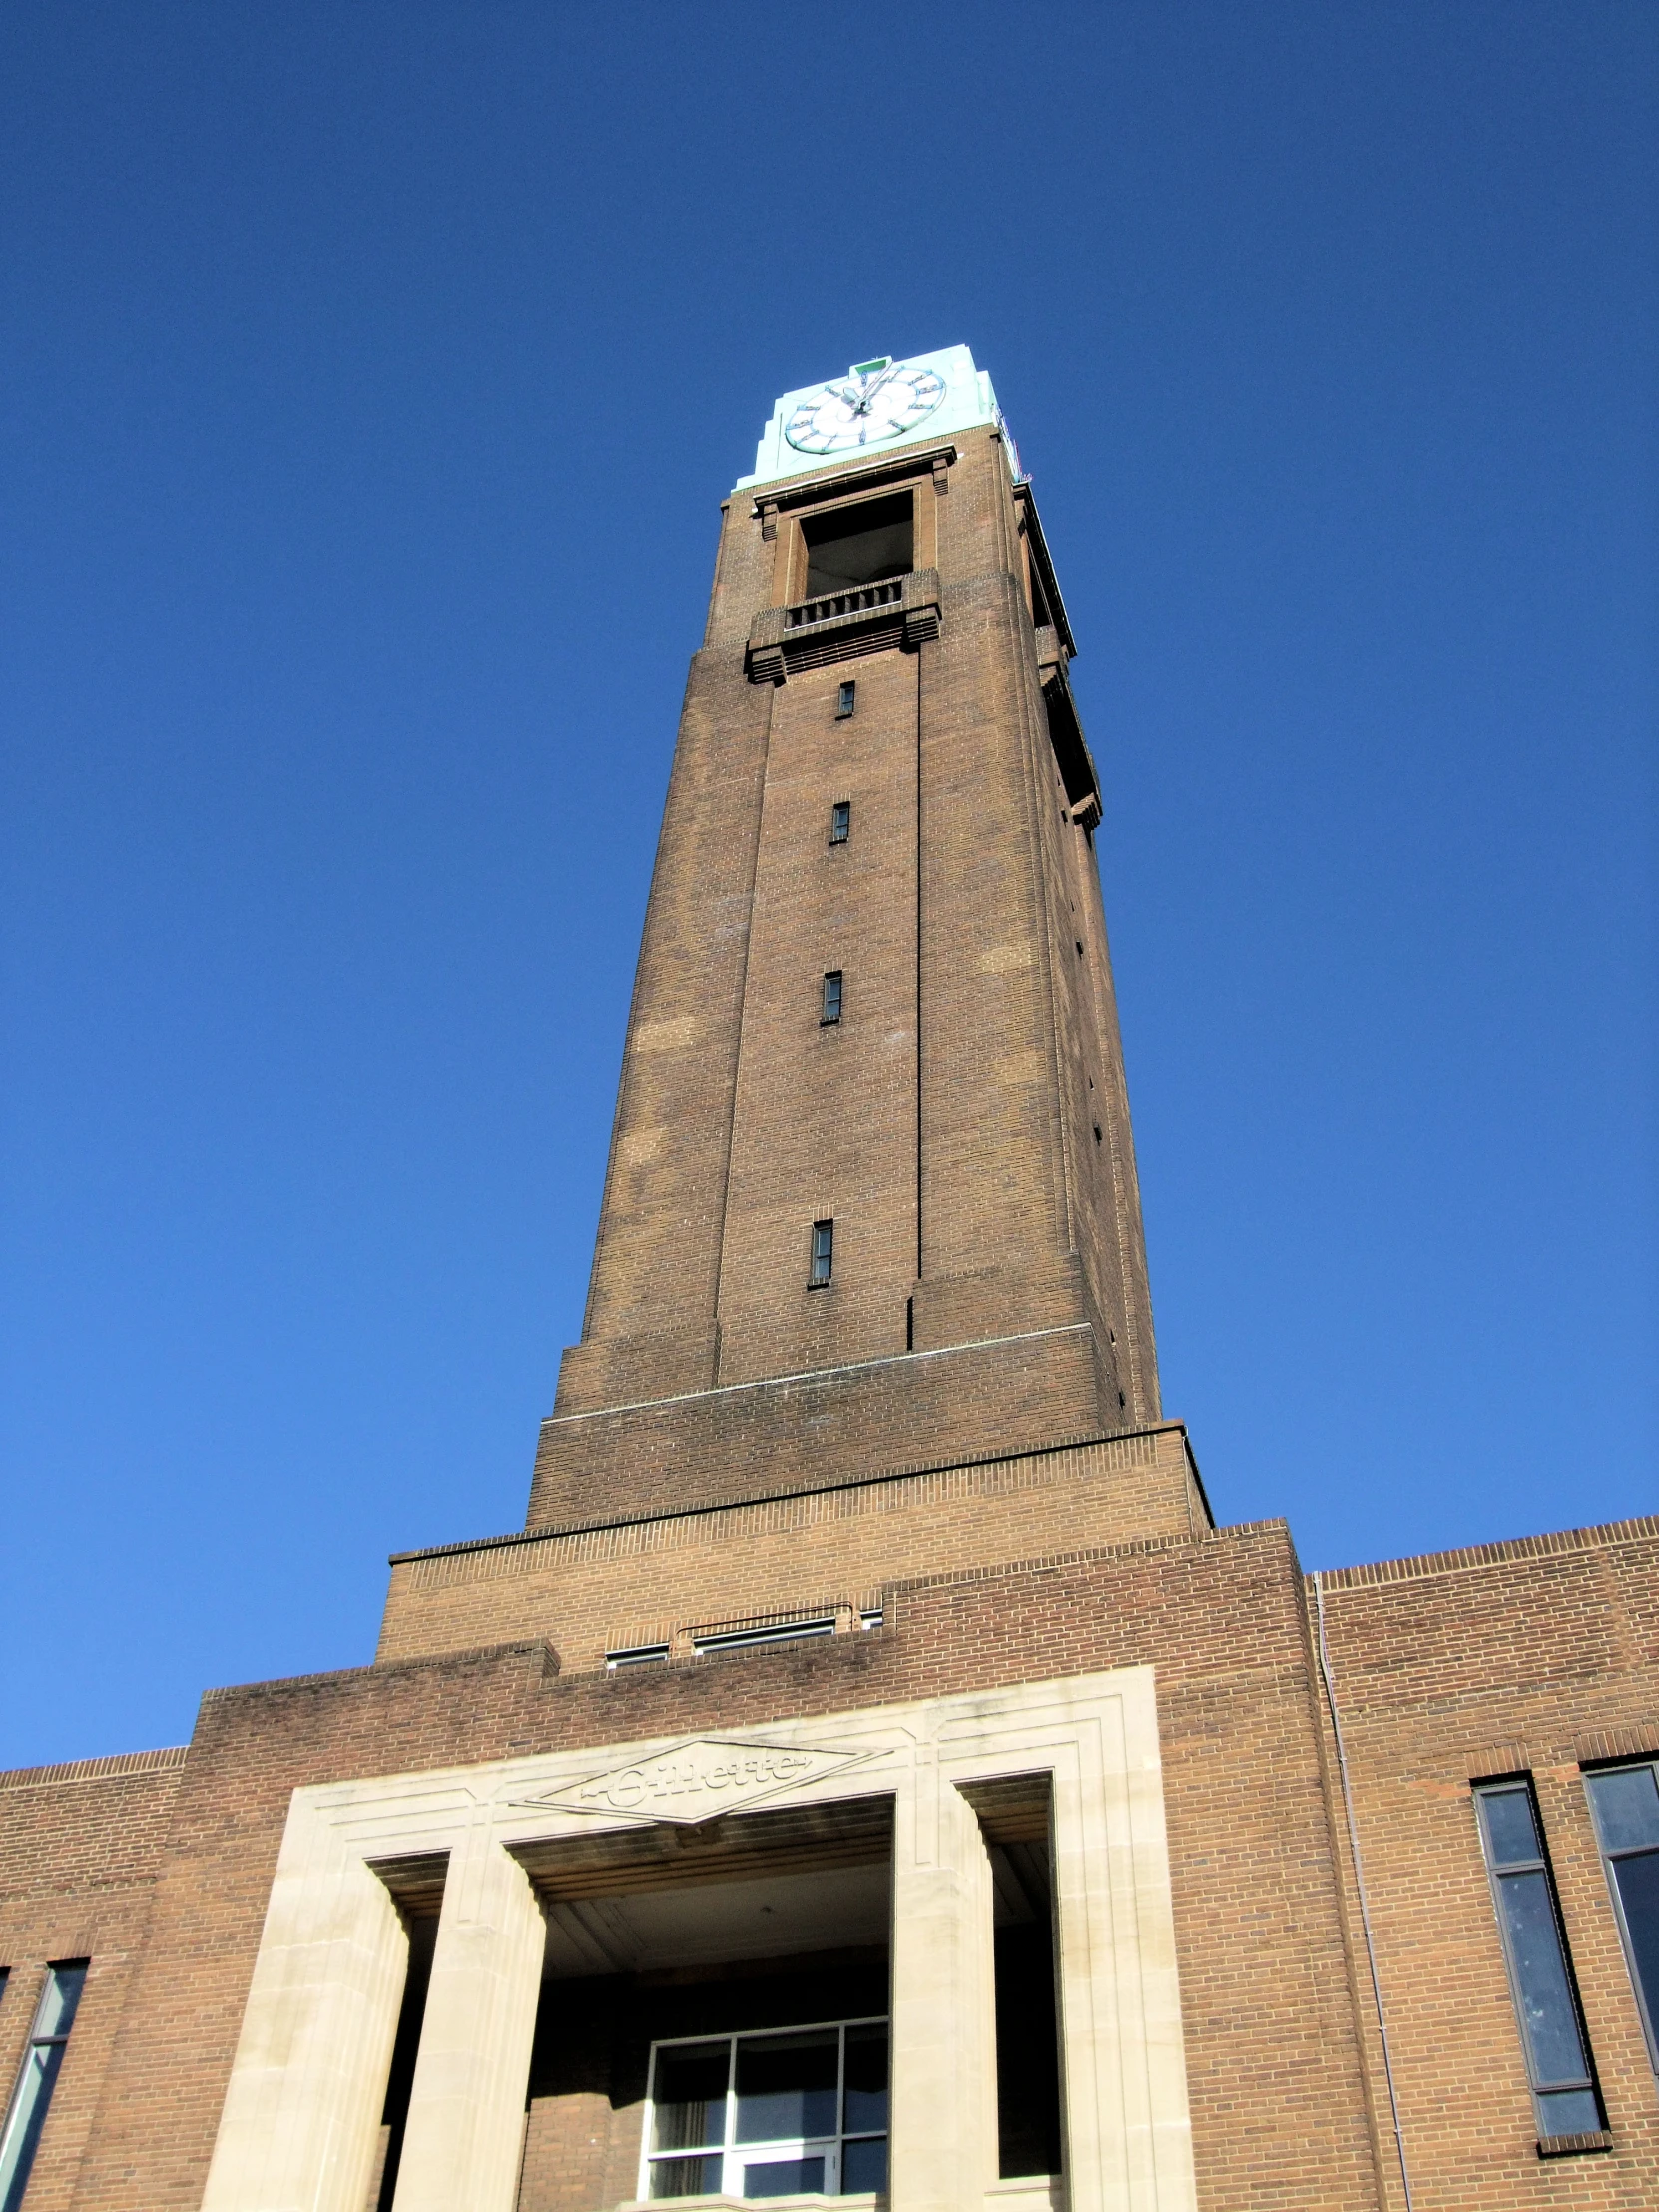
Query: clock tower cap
column 968, row 403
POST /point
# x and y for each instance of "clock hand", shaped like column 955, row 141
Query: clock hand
column 872, row 390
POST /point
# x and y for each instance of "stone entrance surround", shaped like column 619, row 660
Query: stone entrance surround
column 301, row 2114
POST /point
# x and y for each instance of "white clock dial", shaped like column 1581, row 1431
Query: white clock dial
column 872, row 406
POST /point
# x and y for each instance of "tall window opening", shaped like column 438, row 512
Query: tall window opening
column 830, row 1003
column 847, row 699
column 865, row 544
column 840, row 822
column 768, row 2115
column 416, row 1886
column 1014, row 1818
column 38, row 2077
column 1557, row 2050
column 823, row 1253
column 1625, row 1801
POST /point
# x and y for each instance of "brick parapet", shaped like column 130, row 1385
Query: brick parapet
column 613, row 1584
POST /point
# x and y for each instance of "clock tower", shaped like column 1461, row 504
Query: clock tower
column 871, row 1777
column 872, row 1196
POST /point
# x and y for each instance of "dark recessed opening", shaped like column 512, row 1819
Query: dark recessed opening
column 865, row 544
column 1014, row 1818
column 394, row 2117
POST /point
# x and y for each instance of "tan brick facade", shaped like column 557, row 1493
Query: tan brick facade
column 954, row 1453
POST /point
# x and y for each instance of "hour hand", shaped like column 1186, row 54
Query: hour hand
column 871, row 391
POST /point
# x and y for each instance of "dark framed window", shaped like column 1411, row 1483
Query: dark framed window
column 38, row 2076
column 1564, row 2091
column 847, row 699
column 830, row 1004
column 768, row 2115
column 1625, row 1802
column 823, row 1255
column 840, row 822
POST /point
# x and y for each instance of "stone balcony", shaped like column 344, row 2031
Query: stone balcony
column 897, row 615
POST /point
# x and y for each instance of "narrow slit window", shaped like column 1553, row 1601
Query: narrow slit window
column 847, row 699
column 1625, row 1801
column 1564, row 2093
column 37, row 2077
column 824, row 1253
column 830, row 1004
column 840, row 822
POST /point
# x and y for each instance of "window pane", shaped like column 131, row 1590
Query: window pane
column 866, row 2084
column 54, row 2016
column 1627, row 1808
column 787, row 2086
column 865, row 2166
column 1638, row 1886
column 26, row 2119
column 686, row 2177
column 1546, row 2007
column 1510, row 1824
column 689, row 2099
column 1569, row 2112
column 783, row 2177
column 58, row 2001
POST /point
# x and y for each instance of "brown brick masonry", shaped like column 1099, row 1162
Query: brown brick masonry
column 594, row 1587
column 1273, row 2024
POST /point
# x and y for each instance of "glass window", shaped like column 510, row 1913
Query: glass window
column 847, row 699
column 802, row 2113
column 840, row 822
column 1536, row 1951
column 824, row 1253
column 37, row 2077
column 831, row 1008
column 1625, row 1801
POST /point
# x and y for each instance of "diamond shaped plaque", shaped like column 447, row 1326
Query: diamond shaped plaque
column 697, row 1781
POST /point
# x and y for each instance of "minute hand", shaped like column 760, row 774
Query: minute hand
column 864, row 405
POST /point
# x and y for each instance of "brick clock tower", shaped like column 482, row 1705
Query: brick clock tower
column 872, row 1775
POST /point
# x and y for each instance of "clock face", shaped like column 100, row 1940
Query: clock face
column 872, row 406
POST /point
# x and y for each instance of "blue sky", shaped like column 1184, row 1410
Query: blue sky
column 371, row 378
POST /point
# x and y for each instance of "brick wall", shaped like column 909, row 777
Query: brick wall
column 948, row 1125
column 1522, row 1657
column 1271, row 2048
column 594, row 1589
column 80, row 1847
